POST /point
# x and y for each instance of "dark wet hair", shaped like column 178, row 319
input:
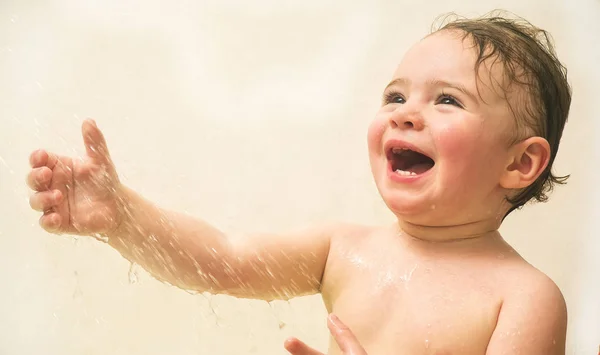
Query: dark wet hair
column 530, row 61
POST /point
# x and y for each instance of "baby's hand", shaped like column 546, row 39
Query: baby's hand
column 77, row 195
column 343, row 336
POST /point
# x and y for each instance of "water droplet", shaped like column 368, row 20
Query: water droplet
column 133, row 276
column 427, row 343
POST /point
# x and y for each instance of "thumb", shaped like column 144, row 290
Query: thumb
column 95, row 144
column 344, row 337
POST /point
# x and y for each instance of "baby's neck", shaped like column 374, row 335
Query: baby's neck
column 449, row 234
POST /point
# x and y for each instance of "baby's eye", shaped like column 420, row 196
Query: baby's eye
column 394, row 98
column 445, row 99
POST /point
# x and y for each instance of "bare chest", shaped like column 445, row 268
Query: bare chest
column 417, row 307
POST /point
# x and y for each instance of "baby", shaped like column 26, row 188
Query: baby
column 467, row 132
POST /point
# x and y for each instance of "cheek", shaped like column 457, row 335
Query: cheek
column 375, row 136
column 468, row 152
column 454, row 141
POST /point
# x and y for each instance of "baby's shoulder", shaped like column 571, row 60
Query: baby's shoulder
column 525, row 284
column 533, row 312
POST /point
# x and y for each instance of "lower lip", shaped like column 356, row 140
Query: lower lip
column 404, row 179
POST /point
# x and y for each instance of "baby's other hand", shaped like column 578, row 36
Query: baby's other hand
column 341, row 333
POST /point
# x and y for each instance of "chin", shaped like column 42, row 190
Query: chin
column 406, row 206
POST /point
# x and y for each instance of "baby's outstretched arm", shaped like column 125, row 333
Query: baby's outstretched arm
column 85, row 196
column 192, row 254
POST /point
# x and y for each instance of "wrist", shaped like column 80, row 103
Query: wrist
column 123, row 212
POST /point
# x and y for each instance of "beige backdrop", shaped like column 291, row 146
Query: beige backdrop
column 253, row 117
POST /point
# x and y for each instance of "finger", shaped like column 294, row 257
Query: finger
column 50, row 222
column 45, row 200
column 297, row 347
column 41, row 158
column 344, row 337
column 39, row 179
column 95, row 144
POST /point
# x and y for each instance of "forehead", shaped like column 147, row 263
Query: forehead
column 442, row 53
column 449, row 56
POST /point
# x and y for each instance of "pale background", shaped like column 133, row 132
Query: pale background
column 254, row 117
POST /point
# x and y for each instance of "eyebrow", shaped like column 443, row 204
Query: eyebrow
column 436, row 83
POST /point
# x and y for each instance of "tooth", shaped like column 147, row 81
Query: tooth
column 405, row 173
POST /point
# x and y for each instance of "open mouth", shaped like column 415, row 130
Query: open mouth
column 409, row 162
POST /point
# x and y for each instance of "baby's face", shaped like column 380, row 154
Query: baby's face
column 459, row 122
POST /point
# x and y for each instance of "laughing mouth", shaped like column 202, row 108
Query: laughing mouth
column 409, row 162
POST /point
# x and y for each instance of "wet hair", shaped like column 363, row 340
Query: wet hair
column 529, row 60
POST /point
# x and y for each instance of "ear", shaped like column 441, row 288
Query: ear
column 527, row 161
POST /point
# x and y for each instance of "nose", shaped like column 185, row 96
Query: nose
column 406, row 120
